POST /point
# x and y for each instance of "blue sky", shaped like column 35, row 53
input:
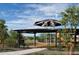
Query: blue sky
column 23, row 15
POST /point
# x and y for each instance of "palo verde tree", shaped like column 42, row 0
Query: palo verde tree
column 3, row 32
column 11, row 40
column 70, row 17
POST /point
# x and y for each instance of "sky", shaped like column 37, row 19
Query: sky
column 24, row 15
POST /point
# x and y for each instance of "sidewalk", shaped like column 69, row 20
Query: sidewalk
column 22, row 52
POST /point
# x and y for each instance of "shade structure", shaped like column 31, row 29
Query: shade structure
column 33, row 31
column 48, row 22
column 40, row 30
column 36, row 30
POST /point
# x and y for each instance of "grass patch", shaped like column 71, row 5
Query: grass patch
column 7, row 50
column 12, row 49
column 49, row 52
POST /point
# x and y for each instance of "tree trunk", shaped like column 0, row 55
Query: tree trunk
column 70, row 48
column 73, row 45
column 2, row 41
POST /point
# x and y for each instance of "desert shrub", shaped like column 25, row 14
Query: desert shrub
column 11, row 42
column 28, row 42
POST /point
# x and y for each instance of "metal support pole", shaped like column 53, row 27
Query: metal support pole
column 19, row 39
column 49, row 39
column 34, row 39
column 46, row 40
column 56, row 40
column 75, row 39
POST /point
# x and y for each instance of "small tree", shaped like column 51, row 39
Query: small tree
column 11, row 40
column 3, row 32
column 71, row 17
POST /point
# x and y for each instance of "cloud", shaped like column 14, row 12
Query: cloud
column 27, row 14
column 40, row 11
column 18, row 21
column 51, row 10
column 21, row 23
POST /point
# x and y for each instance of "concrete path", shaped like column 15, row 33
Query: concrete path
column 22, row 52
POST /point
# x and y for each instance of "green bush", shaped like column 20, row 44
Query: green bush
column 28, row 42
column 11, row 42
